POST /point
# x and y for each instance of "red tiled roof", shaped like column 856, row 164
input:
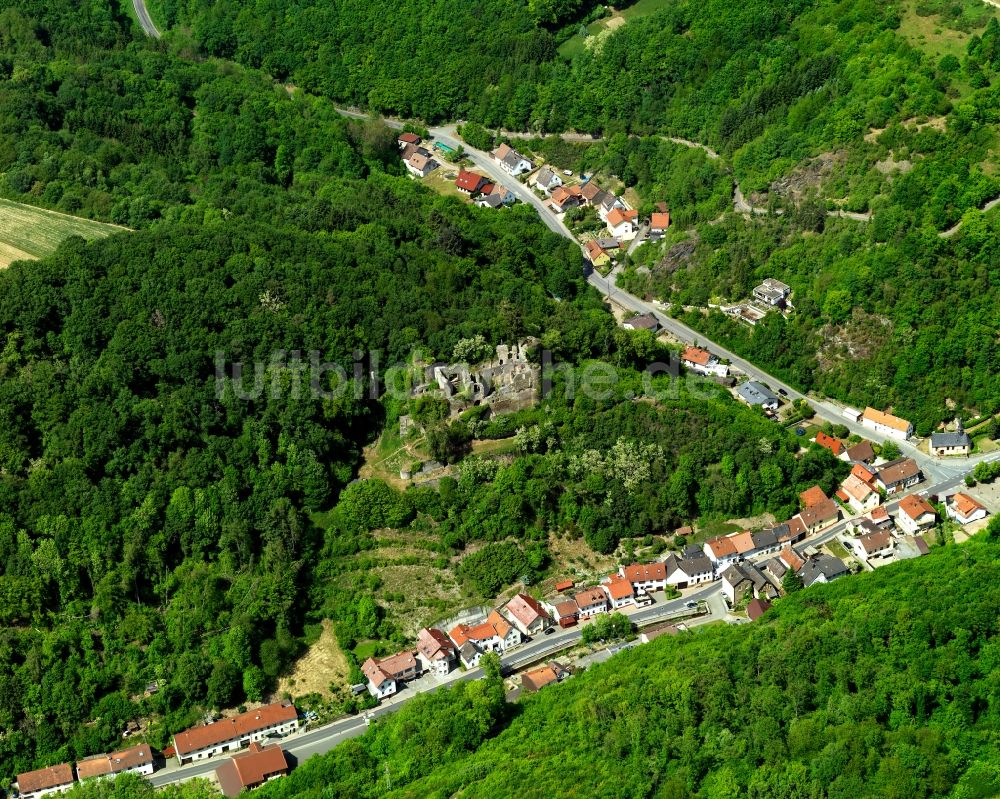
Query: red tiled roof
column 862, row 451
column 590, row 190
column 659, row 221
column 879, row 513
column 965, row 504
column 791, row 559
column 198, row 738
column 697, row 355
column 408, row 138
column 469, row 181
column 617, row 216
column 915, row 507
column 743, row 542
column 721, row 546
column 564, row 585
column 857, row 488
column 796, row 528
column 887, row 419
column 830, row 443
column 590, row 596
column 257, row 763
column 43, row 778
column 567, row 608
column 757, row 608
column 645, row 572
column 537, row 679
column 618, row 587
column 434, row 644
column 96, row 766
column 594, row 250
column 863, row 473
column 500, row 624
column 820, row 512
column 812, row 496
column 526, row 609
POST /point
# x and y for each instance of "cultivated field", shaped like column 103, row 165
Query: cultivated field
column 29, row 232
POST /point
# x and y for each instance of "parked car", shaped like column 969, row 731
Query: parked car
column 549, row 631
column 782, row 392
column 690, row 604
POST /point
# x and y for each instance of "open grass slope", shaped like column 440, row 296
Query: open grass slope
column 27, row 232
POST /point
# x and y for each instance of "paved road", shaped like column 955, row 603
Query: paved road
column 303, row 745
column 935, row 469
column 144, row 19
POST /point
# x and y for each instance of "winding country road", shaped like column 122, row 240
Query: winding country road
column 145, row 20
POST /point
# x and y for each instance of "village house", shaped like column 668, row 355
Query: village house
column 228, row 735
column 436, row 651
column 861, row 452
column 407, row 138
column 687, row 571
column 623, row 224
column 619, row 590
column 880, row 517
column 829, row 442
column 563, row 198
column 591, row 601
column 536, row 679
column 964, row 509
column 384, row 676
column 470, row 182
column 790, row 532
column 565, row 612
column 915, row 515
column 703, row 362
column 654, row 632
column 756, row 395
column 411, row 149
column 819, row 516
column 772, row 292
column 791, row 559
column 885, row 424
column 720, row 551
column 43, row 781
column 874, row 544
column 821, row 568
column 420, row 165
column 865, row 474
column 957, row 443
column 592, row 194
column 742, row 578
column 496, row 634
column 251, row 769
column 511, row 161
column 898, row 475
column 812, row 496
column 134, row 760
column 646, row 577
column 494, row 195
column 596, row 254
column 527, row 614
column 644, row 321
column 659, row 221
column 469, row 655
column 858, row 494
column 547, row 180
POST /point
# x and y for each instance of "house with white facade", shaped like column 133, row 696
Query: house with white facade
column 527, row 614
column 435, row 651
column 756, row 394
column 591, row 601
column 858, row 494
column 420, row 165
column 898, row 475
column 228, row 735
column 885, row 424
column 385, row 675
column 772, row 292
column 43, row 781
column 721, row 552
column 647, row 577
column 874, row 544
column 546, row 179
column 511, row 161
column 496, row 634
column 623, row 224
column 134, row 760
column 619, row 590
column 703, row 362
column 964, row 509
column 957, row 443
column 915, row 515
column 688, row 571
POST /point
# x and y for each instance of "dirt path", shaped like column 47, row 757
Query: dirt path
column 947, row 234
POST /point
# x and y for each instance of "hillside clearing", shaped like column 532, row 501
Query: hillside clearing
column 27, row 232
column 320, row 667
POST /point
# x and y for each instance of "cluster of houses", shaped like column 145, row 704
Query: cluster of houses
column 483, row 192
column 246, row 769
column 418, row 160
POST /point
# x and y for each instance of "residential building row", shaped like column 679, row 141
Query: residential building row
column 227, row 735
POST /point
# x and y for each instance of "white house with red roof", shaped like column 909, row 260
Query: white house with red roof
column 435, row 650
column 915, row 515
column 385, row 675
column 703, row 362
column 591, row 601
column 964, row 509
column 527, row 614
column 647, row 577
column 619, row 590
column 623, row 224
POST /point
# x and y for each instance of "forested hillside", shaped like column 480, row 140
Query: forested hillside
column 878, row 686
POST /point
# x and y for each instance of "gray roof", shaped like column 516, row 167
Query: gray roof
column 468, row 651
column 950, row 440
column 644, row 321
column 692, row 551
column 513, row 158
column 824, row 564
column 492, row 200
column 608, row 244
column 774, row 567
column 698, row 564
column 762, row 539
column 756, row 393
column 545, row 176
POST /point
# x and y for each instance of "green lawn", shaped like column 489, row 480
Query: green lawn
column 364, row 650
column 27, row 232
column 838, row 550
column 573, row 46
